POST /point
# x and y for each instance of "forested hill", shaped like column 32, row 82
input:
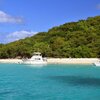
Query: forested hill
column 76, row 39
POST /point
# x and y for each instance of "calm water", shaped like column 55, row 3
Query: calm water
column 51, row 82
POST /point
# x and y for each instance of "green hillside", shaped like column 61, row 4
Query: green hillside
column 76, row 39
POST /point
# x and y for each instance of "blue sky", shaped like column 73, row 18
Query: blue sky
column 23, row 18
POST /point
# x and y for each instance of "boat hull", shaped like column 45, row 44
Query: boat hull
column 34, row 62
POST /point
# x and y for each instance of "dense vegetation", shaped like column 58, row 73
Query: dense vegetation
column 76, row 39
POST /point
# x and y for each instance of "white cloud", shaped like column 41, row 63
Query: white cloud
column 98, row 6
column 18, row 35
column 6, row 18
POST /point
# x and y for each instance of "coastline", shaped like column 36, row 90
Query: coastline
column 58, row 60
column 73, row 60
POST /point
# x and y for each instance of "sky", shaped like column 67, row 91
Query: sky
column 24, row 18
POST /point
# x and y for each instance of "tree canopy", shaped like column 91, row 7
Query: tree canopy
column 75, row 39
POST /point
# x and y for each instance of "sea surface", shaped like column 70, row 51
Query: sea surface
column 49, row 82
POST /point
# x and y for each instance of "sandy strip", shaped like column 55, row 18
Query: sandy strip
column 58, row 60
column 73, row 60
column 10, row 60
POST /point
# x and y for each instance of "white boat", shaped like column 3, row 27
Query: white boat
column 35, row 59
column 97, row 63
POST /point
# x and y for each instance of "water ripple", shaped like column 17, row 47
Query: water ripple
column 6, row 92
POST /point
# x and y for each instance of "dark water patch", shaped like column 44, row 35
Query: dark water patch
column 77, row 80
column 6, row 92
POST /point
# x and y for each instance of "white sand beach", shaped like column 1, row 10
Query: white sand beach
column 58, row 60
column 73, row 60
column 10, row 60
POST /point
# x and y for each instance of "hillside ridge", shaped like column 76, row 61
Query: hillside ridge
column 75, row 39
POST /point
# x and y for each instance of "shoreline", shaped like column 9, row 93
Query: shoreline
column 58, row 60
column 73, row 60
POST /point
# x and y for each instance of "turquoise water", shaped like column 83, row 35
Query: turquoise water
column 50, row 82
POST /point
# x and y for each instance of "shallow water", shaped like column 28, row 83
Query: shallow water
column 50, row 82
